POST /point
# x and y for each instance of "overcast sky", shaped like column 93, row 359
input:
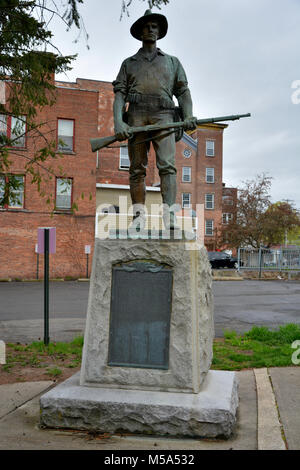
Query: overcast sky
column 239, row 56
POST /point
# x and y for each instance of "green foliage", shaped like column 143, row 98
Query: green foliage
column 38, row 355
column 74, row 347
column 126, row 4
column 259, row 347
column 27, row 68
column 284, row 335
column 54, row 372
column 257, row 221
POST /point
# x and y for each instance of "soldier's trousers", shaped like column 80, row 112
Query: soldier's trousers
column 164, row 147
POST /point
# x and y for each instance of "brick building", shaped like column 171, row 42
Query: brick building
column 73, row 117
column 95, row 182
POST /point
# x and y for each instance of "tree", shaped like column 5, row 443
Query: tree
column 151, row 3
column 279, row 219
column 257, row 221
column 26, row 69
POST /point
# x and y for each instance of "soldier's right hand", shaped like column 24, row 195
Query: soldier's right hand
column 122, row 131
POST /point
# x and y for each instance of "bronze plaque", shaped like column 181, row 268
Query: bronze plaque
column 140, row 315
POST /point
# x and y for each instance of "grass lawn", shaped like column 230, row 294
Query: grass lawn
column 35, row 361
column 260, row 347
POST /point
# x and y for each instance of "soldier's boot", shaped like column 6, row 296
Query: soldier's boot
column 138, row 197
column 168, row 192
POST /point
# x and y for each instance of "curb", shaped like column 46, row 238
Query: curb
column 269, row 429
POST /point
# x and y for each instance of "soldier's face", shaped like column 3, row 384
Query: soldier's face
column 150, row 31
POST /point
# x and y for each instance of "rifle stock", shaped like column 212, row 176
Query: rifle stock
column 101, row 142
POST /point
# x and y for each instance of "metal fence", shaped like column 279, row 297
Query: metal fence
column 262, row 259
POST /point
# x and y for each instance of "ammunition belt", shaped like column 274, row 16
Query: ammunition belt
column 153, row 100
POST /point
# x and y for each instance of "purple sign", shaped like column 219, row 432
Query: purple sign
column 41, row 240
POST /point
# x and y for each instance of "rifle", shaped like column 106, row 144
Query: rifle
column 101, row 142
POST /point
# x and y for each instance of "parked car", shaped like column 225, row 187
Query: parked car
column 219, row 259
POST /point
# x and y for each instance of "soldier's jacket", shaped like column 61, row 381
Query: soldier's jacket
column 157, row 80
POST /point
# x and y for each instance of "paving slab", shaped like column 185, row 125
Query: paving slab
column 14, row 395
column 286, row 386
column 20, row 430
column 269, row 434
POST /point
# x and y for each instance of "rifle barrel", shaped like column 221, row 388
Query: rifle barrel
column 233, row 117
column 102, row 142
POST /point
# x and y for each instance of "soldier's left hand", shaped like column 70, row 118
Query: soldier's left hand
column 190, row 123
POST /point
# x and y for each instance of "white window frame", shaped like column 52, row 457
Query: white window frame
column 65, row 148
column 2, row 187
column 209, row 227
column 226, row 217
column 210, row 148
column 186, row 174
column 18, row 194
column 209, row 201
column 210, row 173
column 15, row 196
column 227, row 200
column 124, row 162
column 14, row 128
column 64, row 192
column 184, row 205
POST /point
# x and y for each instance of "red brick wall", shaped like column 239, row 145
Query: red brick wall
column 18, row 236
column 18, row 228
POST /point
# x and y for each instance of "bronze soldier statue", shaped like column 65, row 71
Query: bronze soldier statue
column 148, row 81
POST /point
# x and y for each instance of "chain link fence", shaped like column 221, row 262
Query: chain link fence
column 263, row 259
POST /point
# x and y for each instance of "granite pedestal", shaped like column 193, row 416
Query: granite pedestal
column 145, row 365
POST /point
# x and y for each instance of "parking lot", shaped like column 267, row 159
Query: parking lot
column 238, row 305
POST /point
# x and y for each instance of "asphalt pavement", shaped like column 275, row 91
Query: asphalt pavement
column 237, row 306
column 241, row 305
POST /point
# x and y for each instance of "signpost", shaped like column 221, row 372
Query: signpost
column 46, row 245
column 37, row 260
column 87, row 250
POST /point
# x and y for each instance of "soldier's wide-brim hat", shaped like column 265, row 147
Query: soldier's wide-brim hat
column 136, row 28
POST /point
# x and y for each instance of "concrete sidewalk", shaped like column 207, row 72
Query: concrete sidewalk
column 268, row 419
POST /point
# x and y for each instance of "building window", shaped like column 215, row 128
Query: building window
column 226, row 217
column 12, row 191
column 14, row 128
column 64, row 188
column 210, row 148
column 111, row 210
column 209, row 201
column 65, row 135
column 228, row 200
column 2, row 189
column 124, row 158
column 186, row 200
column 186, row 174
column 209, row 227
column 210, row 175
column 3, row 126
